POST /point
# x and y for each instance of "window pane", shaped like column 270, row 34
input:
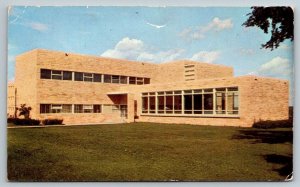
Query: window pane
column 139, row 81
column 177, row 102
column 107, row 78
column 45, row 74
column 97, row 77
column 44, row 108
column 66, row 108
column 132, row 80
column 97, row 109
column 152, row 102
column 232, row 101
column 67, row 75
column 146, row 80
column 220, row 103
column 187, row 102
column 78, row 76
column 169, row 104
column 78, row 108
column 123, row 79
column 197, row 102
column 161, row 102
column 208, row 101
column 145, row 104
column 88, row 77
column 56, row 108
column 115, row 79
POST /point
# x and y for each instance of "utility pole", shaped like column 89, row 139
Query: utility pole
column 15, row 103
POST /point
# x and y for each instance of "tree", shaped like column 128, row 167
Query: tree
column 279, row 20
column 24, row 111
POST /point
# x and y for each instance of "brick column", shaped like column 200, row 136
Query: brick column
column 130, row 107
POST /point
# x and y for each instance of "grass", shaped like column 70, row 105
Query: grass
column 149, row 152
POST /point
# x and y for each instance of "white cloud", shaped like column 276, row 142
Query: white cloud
column 38, row 26
column 206, row 56
column 199, row 32
column 134, row 49
column 11, row 58
column 277, row 67
column 246, row 51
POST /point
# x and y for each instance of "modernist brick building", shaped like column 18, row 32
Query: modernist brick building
column 84, row 89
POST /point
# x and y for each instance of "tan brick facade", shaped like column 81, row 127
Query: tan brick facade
column 259, row 98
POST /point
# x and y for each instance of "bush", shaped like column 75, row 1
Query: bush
column 11, row 120
column 273, row 124
column 26, row 122
column 52, row 121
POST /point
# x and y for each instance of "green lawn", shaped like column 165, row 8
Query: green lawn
column 148, row 152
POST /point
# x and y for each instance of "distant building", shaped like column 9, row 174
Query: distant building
column 83, row 89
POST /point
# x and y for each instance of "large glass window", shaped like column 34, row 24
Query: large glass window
column 56, row 108
column 87, row 108
column 132, row 80
column 67, row 108
column 212, row 101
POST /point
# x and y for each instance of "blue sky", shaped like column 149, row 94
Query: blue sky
column 156, row 34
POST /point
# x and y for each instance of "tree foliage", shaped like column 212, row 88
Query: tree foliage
column 277, row 20
column 24, row 111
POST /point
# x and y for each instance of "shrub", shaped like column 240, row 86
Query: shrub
column 25, row 122
column 273, row 124
column 52, row 121
column 11, row 120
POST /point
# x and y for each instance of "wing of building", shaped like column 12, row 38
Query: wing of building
column 83, row 89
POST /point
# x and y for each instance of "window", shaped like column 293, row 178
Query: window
column 169, row 104
column 145, row 105
column 78, row 108
column 123, row 79
column 188, row 104
column 152, row 104
column 88, row 77
column 132, row 80
column 97, row 77
column 56, row 108
column 146, row 80
column 208, row 103
column 115, row 79
column 139, row 81
column 198, row 102
column 67, row 108
column 161, row 104
column 97, row 108
column 45, row 108
column 177, row 104
column 78, row 76
column 56, row 74
column 87, row 108
column 107, row 78
column 220, row 102
column 67, row 75
column 45, row 74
